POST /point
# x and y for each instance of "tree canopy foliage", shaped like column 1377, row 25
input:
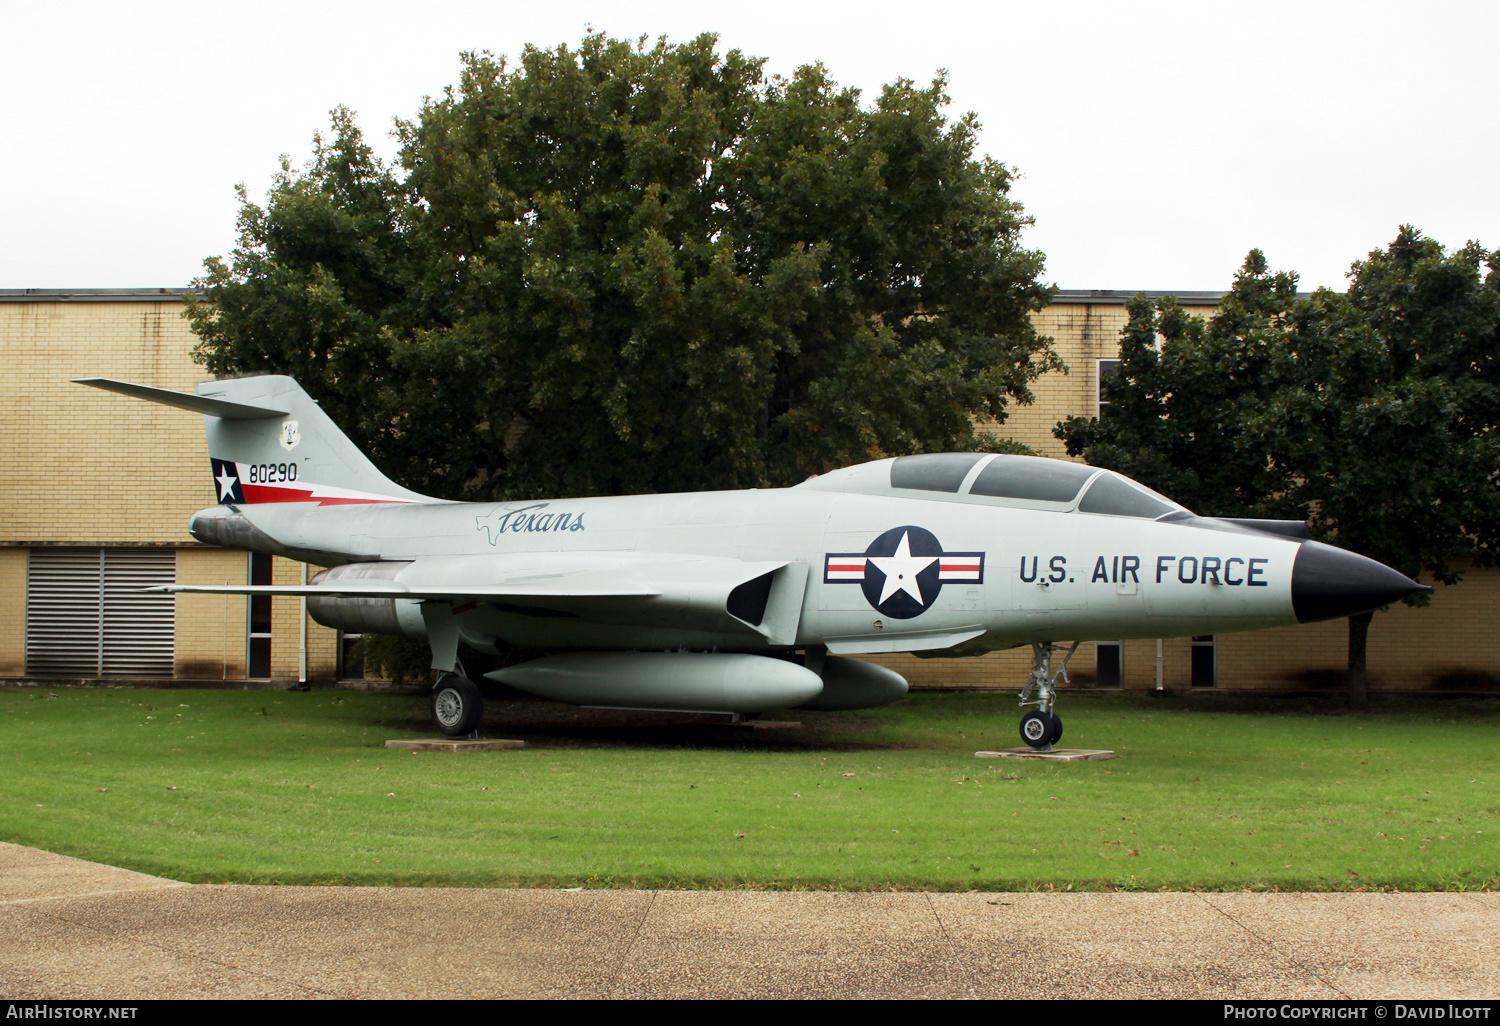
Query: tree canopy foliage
column 633, row 267
column 1373, row 414
column 1182, row 399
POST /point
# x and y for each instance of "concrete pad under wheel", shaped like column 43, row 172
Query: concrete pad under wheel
column 1056, row 755
column 427, row 744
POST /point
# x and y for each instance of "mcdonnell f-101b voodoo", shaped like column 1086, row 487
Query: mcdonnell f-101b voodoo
column 744, row 601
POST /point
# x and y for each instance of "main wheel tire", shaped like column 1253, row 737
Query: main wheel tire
column 457, row 706
column 1036, row 728
column 1056, row 733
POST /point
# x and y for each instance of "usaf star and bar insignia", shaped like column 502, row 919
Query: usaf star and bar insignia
column 903, row 571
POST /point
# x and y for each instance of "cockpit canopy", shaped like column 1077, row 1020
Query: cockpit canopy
column 1002, row 480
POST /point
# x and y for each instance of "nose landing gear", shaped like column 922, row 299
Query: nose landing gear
column 1042, row 728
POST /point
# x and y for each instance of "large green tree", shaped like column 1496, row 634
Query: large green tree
column 629, row 267
column 1181, row 406
column 1374, row 414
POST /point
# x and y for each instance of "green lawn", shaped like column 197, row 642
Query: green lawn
column 283, row 787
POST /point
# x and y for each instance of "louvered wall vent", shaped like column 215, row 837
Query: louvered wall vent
column 86, row 615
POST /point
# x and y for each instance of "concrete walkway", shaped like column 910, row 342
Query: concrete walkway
column 73, row 929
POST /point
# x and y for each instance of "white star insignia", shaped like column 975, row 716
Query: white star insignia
column 226, row 484
column 901, row 571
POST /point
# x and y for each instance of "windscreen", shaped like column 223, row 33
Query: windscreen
column 1116, row 496
column 1030, row 477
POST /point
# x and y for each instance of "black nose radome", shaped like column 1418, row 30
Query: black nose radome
column 1328, row 582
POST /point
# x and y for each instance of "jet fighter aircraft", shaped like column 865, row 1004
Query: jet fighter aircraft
column 744, row 601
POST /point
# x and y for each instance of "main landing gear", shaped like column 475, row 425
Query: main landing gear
column 1042, row 728
column 457, row 705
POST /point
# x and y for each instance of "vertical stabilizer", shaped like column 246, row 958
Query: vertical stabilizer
column 269, row 441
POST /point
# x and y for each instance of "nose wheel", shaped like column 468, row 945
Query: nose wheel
column 1042, row 728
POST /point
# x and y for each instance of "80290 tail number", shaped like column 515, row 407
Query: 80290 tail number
column 270, row 473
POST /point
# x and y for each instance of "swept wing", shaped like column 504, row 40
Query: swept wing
column 643, row 588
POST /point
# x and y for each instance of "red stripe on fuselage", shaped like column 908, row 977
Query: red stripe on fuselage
column 256, row 493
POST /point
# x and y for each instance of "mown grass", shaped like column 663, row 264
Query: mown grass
column 283, row 787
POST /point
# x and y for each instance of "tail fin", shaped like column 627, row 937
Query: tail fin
column 269, row 441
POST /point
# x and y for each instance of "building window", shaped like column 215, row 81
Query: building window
column 1106, row 371
column 87, row 615
column 258, row 636
column 1109, row 664
column 1203, row 661
column 351, row 663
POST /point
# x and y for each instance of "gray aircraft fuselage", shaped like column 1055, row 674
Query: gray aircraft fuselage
column 1044, row 575
column 942, row 554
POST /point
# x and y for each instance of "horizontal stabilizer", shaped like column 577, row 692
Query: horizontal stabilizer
column 393, row 590
column 221, row 408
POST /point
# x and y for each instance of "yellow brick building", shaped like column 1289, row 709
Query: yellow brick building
column 96, row 491
column 84, row 473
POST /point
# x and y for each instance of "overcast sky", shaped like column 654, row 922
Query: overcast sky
column 1156, row 142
